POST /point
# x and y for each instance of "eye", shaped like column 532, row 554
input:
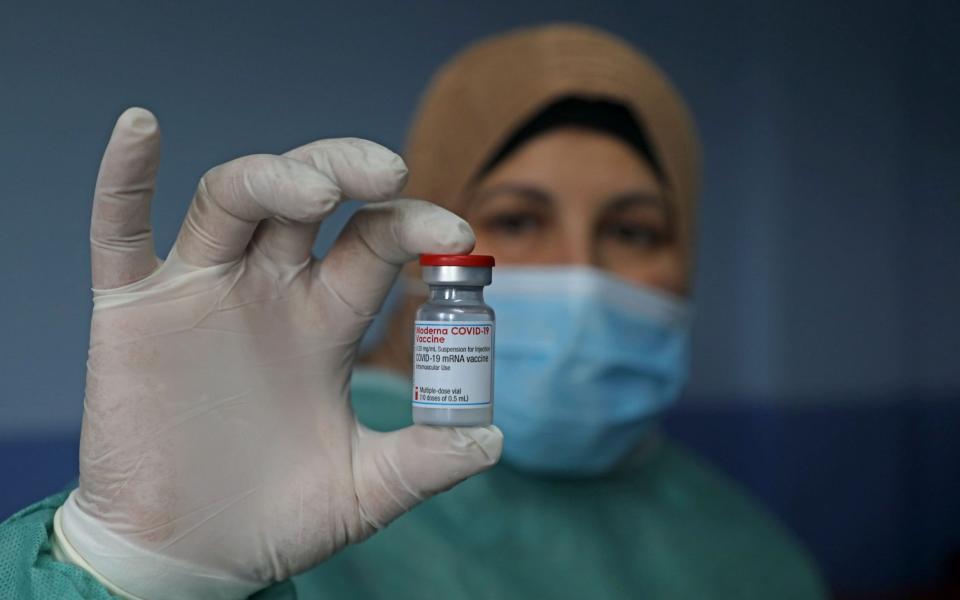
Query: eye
column 640, row 235
column 513, row 223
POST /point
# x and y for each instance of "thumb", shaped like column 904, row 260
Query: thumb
column 396, row 471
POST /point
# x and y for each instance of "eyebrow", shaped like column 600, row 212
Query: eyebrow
column 631, row 199
column 526, row 191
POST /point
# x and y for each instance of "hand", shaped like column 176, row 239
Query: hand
column 219, row 450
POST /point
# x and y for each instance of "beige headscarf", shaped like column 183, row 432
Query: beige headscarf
column 478, row 99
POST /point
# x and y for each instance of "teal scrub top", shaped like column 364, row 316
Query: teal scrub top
column 668, row 527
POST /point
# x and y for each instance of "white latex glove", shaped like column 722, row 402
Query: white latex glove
column 220, row 452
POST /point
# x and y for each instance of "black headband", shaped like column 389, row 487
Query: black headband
column 600, row 115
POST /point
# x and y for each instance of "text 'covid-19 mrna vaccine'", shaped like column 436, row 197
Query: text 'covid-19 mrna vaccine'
column 453, row 343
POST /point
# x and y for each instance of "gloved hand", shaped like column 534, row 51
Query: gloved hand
column 219, row 451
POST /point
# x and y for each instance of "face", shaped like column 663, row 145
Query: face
column 574, row 196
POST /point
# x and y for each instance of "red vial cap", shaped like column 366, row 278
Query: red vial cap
column 456, row 260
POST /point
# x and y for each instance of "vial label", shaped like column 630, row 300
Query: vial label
column 452, row 364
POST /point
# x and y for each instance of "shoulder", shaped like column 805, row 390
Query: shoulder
column 733, row 533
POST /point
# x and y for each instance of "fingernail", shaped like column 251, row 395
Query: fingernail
column 138, row 119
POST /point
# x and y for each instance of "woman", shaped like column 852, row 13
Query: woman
column 219, row 450
column 571, row 156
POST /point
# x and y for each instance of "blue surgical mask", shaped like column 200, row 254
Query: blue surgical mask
column 584, row 363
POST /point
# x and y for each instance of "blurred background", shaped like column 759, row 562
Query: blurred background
column 827, row 355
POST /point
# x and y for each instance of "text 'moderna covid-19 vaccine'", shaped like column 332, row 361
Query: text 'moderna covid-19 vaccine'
column 453, row 343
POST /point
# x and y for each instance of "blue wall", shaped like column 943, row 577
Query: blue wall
column 826, row 372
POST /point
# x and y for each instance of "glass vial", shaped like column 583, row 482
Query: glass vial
column 453, row 343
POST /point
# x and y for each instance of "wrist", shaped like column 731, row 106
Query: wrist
column 64, row 552
column 134, row 573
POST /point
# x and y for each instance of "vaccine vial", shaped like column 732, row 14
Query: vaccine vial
column 453, row 343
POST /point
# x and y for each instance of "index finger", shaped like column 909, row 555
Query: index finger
column 364, row 170
column 303, row 187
